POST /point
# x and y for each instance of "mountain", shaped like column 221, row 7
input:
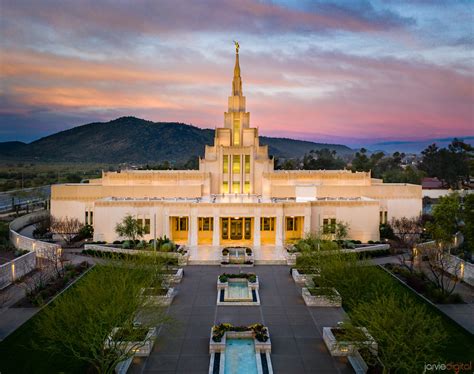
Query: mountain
column 130, row 139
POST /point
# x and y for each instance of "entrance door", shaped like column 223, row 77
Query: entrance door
column 236, row 228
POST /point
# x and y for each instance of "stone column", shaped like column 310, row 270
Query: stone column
column 216, row 231
column 280, row 228
column 166, row 223
column 193, row 228
column 256, row 229
column 307, row 220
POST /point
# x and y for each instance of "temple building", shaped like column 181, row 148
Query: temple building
column 236, row 196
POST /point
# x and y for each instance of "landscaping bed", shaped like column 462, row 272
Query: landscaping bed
column 421, row 284
column 43, row 293
column 339, row 343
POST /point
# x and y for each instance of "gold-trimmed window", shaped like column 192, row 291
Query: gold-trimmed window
column 236, row 132
column 291, row 223
column 247, row 164
column 236, row 164
column 225, row 164
column 329, row 226
column 236, row 187
column 247, row 187
column 225, row 187
column 267, row 224
column 206, row 223
column 181, row 224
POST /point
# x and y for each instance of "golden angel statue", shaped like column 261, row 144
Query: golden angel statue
column 237, row 46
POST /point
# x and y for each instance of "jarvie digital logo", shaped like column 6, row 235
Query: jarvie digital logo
column 451, row 367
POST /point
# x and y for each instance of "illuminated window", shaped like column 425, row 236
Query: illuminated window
column 225, row 164
column 236, row 132
column 140, row 222
column 247, row 187
column 225, row 187
column 247, row 164
column 329, row 226
column 291, row 224
column 267, row 224
column 206, row 223
column 146, row 228
column 383, row 216
column 236, row 164
column 236, row 187
column 181, row 224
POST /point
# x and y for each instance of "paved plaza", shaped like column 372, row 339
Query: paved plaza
column 295, row 329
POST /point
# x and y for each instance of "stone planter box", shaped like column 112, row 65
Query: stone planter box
column 291, row 258
column 321, row 300
column 145, row 346
column 159, row 300
column 302, row 278
column 347, row 348
column 175, row 278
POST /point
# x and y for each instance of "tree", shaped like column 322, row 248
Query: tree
column 446, row 219
column 406, row 333
column 130, row 228
column 67, row 228
column 81, row 320
column 342, row 230
column 442, row 270
column 361, row 162
column 408, row 232
column 323, row 159
column 467, row 211
column 451, row 165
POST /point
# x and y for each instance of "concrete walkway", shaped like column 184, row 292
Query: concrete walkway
column 295, row 329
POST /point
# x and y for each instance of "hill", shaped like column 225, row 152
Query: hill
column 130, row 139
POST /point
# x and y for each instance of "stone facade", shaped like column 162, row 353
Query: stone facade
column 236, row 197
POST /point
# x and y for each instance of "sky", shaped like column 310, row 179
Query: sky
column 355, row 73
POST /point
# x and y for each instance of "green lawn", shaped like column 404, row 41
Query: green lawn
column 19, row 354
column 21, row 351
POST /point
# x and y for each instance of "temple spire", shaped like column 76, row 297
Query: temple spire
column 237, row 81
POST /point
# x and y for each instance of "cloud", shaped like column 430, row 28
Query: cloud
column 311, row 69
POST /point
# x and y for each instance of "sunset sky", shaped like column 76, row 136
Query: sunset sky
column 318, row 70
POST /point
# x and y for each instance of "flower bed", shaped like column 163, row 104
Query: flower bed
column 138, row 339
column 258, row 331
column 321, row 296
column 340, row 344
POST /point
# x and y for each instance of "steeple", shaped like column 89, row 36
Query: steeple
column 237, row 81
